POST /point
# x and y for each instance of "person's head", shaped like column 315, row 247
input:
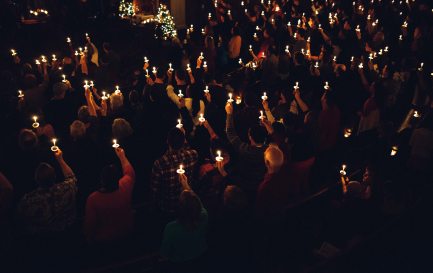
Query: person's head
column 189, row 211
column 180, row 76
column 110, row 176
column 274, row 159
column 160, row 73
column 83, row 114
column 77, row 130
column 234, row 199
column 59, row 90
column 175, row 139
column 299, row 58
column 106, row 46
column 116, row 101
column 27, row 140
column 45, row 175
column 121, row 128
column 30, row 81
column 257, row 135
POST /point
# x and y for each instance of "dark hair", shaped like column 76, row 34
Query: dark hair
column 181, row 74
column 160, row 73
column 234, row 199
column 189, row 211
column 299, row 57
column 175, row 138
column 45, row 175
column 84, row 114
column 110, row 176
column 27, row 140
column 258, row 133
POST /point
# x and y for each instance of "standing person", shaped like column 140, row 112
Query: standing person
column 164, row 181
column 51, row 207
column 184, row 240
column 234, row 47
column 109, row 215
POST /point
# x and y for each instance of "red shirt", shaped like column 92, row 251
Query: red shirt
column 273, row 194
column 109, row 215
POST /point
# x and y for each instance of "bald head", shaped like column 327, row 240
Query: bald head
column 274, row 159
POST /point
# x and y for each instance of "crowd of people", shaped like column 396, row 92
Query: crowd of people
column 248, row 116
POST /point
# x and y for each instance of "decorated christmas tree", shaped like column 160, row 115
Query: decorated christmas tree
column 165, row 28
column 126, row 8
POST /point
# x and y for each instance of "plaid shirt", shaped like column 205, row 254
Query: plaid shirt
column 165, row 180
column 52, row 209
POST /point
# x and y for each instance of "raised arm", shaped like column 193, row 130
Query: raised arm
column 304, row 107
column 232, row 136
column 66, row 170
column 128, row 170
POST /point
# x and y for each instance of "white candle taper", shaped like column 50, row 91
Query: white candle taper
column 206, row 89
column 262, row 116
column 179, row 124
column 115, row 144
column 219, row 158
column 180, row 170
column 264, row 97
column 35, row 122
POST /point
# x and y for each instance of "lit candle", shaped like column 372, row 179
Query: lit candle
column 115, row 144
column 394, row 150
column 347, row 132
column 146, row 60
column 170, row 67
column 203, row 31
column 361, row 66
column 295, row 35
column 104, row 95
column 251, row 48
column 86, row 84
column 68, row 40
column 188, row 68
column 242, row 3
column 358, row 29
column 204, row 64
column 37, row 62
column 54, row 58
column 209, row 16
column 246, row 10
column 316, row 65
column 238, row 99
column 35, row 122
column 20, row 94
column 371, row 56
column 289, row 24
column 92, row 84
column 117, row 91
column 421, row 67
column 180, row 95
column 180, row 170
column 13, row 52
column 416, row 114
column 386, row 49
column 326, row 86
column 76, row 53
column 229, row 12
column 179, row 124
column 54, row 148
column 240, row 61
column 296, row 87
column 287, row 49
column 343, row 170
column 206, row 90
column 352, row 59
column 64, row 78
column 255, row 35
column 264, row 97
column 230, row 100
column 147, row 73
column 334, row 59
column 201, row 118
column 87, row 35
column 262, row 116
column 219, row 158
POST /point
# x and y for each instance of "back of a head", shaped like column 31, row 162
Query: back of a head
column 258, row 134
column 27, row 140
column 175, row 139
column 181, row 74
column 77, row 130
column 274, row 158
column 84, row 114
column 110, row 177
column 116, row 101
column 59, row 89
column 234, row 199
column 189, row 209
column 299, row 58
column 45, row 175
column 121, row 128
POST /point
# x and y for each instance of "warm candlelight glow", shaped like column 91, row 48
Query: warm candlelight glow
column 54, row 148
column 35, row 122
column 296, row 87
column 230, row 100
column 347, row 132
column 115, row 144
column 206, row 90
column 180, row 170
column 219, row 158
column 326, row 86
column 262, row 116
column 264, row 97
column 343, row 170
column 201, row 118
column 20, row 94
column 416, row 114
column 180, row 95
column 179, row 124
column 238, row 99
column 394, row 150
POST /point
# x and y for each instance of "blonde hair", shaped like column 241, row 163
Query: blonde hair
column 274, row 158
column 116, row 101
column 77, row 129
column 121, row 128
